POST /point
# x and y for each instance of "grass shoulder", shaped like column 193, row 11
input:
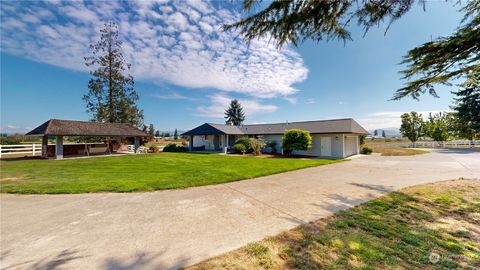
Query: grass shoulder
column 432, row 226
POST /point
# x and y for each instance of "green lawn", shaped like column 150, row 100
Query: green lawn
column 433, row 226
column 137, row 173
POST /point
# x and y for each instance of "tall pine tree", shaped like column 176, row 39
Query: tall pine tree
column 111, row 96
column 151, row 130
column 234, row 115
column 467, row 106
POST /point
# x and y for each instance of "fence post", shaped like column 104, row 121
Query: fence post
column 33, row 149
column 0, row 151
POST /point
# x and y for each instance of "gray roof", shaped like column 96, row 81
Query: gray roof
column 315, row 127
column 82, row 128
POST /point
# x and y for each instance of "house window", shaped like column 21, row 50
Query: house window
column 205, row 137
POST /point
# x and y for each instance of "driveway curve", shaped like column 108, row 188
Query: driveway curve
column 171, row 229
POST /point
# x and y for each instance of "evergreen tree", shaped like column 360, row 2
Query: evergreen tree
column 433, row 63
column 145, row 128
column 111, row 96
column 234, row 114
column 375, row 133
column 157, row 133
column 151, row 129
column 413, row 126
column 383, row 134
column 467, row 107
column 175, row 135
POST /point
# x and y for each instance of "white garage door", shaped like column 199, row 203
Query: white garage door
column 350, row 145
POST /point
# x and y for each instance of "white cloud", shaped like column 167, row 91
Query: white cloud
column 219, row 102
column 11, row 129
column 291, row 100
column 172, row 95
column 310, row 101
column 180, row 43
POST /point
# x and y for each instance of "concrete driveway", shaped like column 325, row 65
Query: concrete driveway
column 170, row 229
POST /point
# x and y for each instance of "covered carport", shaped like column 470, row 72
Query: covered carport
column 60, row 128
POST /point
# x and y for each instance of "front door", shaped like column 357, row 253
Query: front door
column 326, row 146
column 216, row 142
column 231, row 140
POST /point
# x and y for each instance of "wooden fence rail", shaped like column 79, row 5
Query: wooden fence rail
column 20, row 149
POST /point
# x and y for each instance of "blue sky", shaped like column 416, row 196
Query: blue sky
column 187, row 69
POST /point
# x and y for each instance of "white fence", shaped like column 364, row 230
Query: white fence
column 20, row 149
column 446, row 144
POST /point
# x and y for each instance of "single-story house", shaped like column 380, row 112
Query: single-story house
column 336, row 138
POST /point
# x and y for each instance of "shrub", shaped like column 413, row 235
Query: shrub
column 366, row 150
column 154, row 149
column 181, row 148
column 171, row 147
column 296, row 139
column 245, row 142
column 257, row 146
column 239, row 148
column 273, row 146
column 361, row 139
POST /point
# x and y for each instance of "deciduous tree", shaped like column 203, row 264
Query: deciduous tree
column 438, row 126
column 413, row 126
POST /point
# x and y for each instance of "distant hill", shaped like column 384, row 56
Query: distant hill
column 389, row 132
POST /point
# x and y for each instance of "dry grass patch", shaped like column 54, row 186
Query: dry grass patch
column 398, row 151
column 434, row 226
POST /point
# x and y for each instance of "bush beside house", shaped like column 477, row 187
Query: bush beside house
column 296, row 139
column 272, row 147
column 171, row 147
column 366, row 150
column 245, row 142
column 257, row 146
column 239, row 148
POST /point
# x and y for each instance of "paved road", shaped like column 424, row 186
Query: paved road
column 169, row 229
